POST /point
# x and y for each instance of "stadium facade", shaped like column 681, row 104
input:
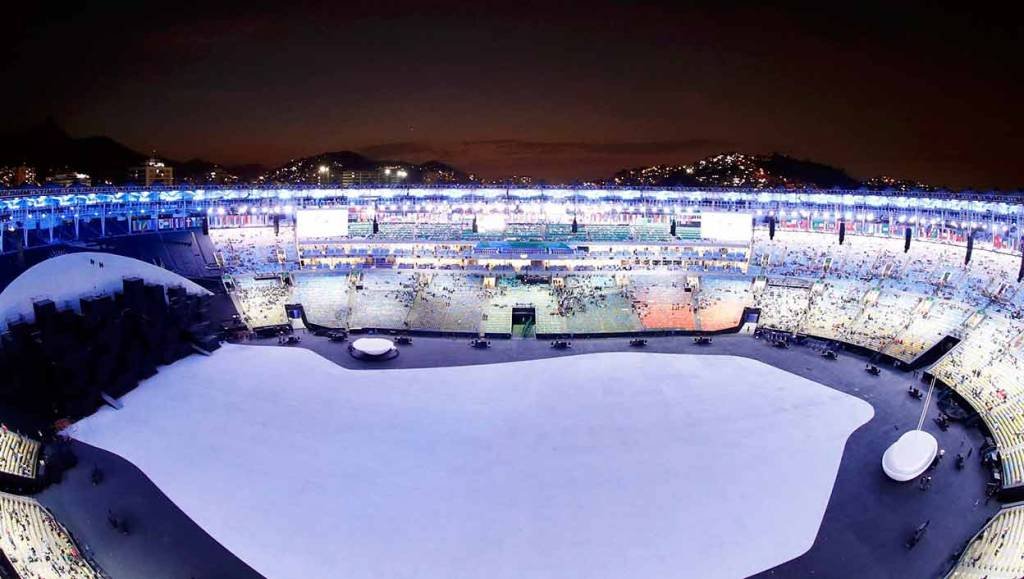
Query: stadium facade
column 929, row 283
column 44, row 217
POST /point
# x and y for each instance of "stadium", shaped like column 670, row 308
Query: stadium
column 535, row 382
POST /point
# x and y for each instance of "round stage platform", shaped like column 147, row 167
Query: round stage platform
column 910, row 455
column 373, row 349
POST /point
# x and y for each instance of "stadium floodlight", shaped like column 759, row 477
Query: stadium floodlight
column 323, row 169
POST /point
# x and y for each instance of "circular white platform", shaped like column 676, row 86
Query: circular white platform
column 910, row 455
column 373, row 346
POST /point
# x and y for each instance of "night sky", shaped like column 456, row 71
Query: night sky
column 554, row 90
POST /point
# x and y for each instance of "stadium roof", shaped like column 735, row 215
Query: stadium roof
column 996, row 203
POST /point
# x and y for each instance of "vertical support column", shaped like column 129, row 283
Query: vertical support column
column 76, row 227
column 103, row 223
column 50, row 218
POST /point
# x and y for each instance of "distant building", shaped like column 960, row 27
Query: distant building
column 153, row 172
column 68, row 178
column 353, row 178
column 512, row 181
column 443, row 176
column 6, row 177
column 219, row 176
column 24, row 175
column 213, row 175
column 394, row 175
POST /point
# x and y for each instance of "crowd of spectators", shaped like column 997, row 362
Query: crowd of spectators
column 19, row 455
column 36, row 545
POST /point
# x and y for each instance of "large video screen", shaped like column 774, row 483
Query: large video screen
column 321, row 223
column 726, row 226
column 490, row 223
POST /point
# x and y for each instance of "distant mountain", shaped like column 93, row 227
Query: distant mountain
column 740, row 170
column 247, row 173
column 884, row 183
column 202, row 172
column 438, row 173
column 318, row 169
column 48, row 148
column 334, row 168
column 801, row 173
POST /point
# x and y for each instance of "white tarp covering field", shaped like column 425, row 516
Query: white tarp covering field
column 595, row 466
